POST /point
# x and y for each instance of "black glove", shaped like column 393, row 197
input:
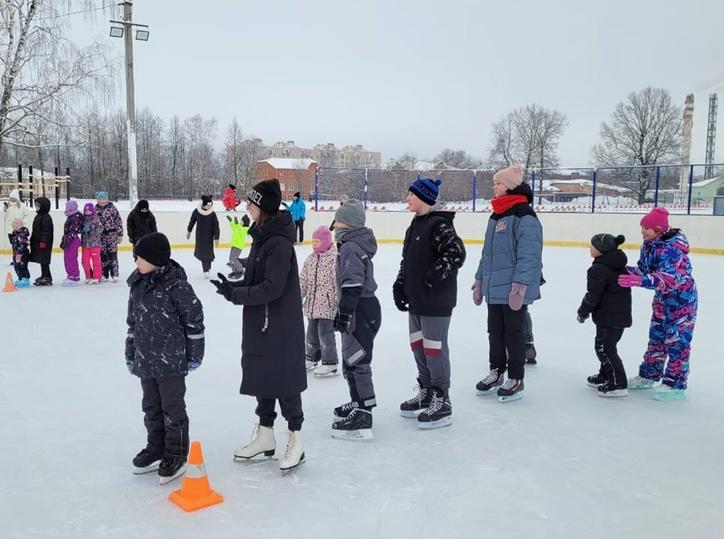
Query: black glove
column 581, row 319
column 398, row 293
column 223, row 286
column 342, row 322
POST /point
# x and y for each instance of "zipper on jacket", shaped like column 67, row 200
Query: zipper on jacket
column 316, row 270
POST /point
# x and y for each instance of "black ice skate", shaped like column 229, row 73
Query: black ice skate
column 490, row 383
column 596, row 380
column 609, row 389
column 342, row 411
column 511, row 390
column 530, row 354
column 146, row 461
column 43, row 281
column 438, row 413
column 356, row 426
column 411, row 407
column 171, row 468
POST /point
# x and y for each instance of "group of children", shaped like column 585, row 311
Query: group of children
column 336, row 292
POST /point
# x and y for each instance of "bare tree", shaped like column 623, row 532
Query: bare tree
column 455, row 159
column 503, row 149
column 233, row 152
column 643, row 130
column 407, row 161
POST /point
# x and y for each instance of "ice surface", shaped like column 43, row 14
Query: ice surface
column 560, row 463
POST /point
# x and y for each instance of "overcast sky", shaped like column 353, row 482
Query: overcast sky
column 419, row 75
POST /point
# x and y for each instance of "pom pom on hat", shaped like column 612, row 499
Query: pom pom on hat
column 426, row 190
column 605, row 243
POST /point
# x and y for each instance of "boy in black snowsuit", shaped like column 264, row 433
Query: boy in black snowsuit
column 165, row 342
column 358, row 319
column 426, row 286
column 611, row 308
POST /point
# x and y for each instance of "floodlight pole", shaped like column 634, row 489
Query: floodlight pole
column 130, row 105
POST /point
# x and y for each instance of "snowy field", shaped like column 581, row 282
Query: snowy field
column 560, row 463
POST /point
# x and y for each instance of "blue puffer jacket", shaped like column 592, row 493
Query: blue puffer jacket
column 298, row 209
column 512, row 252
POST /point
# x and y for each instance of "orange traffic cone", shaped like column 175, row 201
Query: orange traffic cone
column 9, row 284
column 195, row 493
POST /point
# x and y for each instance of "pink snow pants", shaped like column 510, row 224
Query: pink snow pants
column 92, row 257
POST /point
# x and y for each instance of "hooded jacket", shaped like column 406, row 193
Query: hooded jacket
column 355, row 271
column 318, row 282
column 41, row 238
column 140, row 223
column 609, row 303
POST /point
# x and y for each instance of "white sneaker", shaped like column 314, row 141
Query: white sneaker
column 262, row 441
column 310, row 365
column 325, row 370
column 294, row 455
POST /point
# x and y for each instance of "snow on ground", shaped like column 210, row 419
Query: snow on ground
column 560, row 463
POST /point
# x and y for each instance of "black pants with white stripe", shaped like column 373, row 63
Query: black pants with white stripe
column 612, row 367
column 357, row 352
column 165, row 415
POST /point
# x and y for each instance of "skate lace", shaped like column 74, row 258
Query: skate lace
column 435, row 403
column 290, row 447
column 419, row 396
column 490, row 378
column 349, row 406
column 510, row 383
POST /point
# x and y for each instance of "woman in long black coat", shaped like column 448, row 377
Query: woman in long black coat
column 41, row 241
column 207, row 232
column 272, row 349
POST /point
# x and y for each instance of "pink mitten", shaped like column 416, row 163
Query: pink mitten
column 477, row 289
column 516, row 297
column 629, row 280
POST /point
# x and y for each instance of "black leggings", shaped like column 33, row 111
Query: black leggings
column 507, row 342
column 299, row 226
column 291, row 410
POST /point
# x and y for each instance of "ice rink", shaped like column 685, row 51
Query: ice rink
column 560, row 463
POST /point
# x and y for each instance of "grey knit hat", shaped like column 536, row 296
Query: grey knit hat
column 351, row 213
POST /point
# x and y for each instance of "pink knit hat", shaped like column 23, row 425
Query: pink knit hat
column 324, row 236
column 510, row 177
column 657, row 219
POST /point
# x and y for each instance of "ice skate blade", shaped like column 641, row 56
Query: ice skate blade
column 179, row 473
column 240, row 458
column 360, row 435
column 287, row 471
column 428, row 425
column 511, row 398
column 593, row 386
column 491, row 391
column 148, row 469
column 326, row 374
column 615, row 393
column 410, row 414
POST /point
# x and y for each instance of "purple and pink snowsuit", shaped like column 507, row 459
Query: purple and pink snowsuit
column 665, row 267
column 70, row 243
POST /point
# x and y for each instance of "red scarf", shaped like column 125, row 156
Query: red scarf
column 503, row 204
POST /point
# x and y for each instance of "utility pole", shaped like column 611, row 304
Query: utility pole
column 142, row 35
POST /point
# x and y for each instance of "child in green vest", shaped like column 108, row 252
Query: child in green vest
column 238, row 240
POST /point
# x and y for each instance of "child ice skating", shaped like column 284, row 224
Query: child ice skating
column 239, row 232
column 41, row 241
column 610, row 305
column 111, row 235
column 298, row 209
column 90, row 240
column 70, row 242
column 664, row 267
column 20, row 243
column 230, row 200
column 165, row 342
column 319, row 292
column 358, row 319
column 207, row 233
column 140, row 222
column 272, row 343
column 426, row 287
column 509, row 278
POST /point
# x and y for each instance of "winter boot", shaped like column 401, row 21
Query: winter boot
column 170, row 468
column 356, row 426
column 325, row 369
column 487, row 385
column 666, row 393
column 146, row 461
column 511, row 390
column 438, row 413
column 609, row 389
column 411, row 407
column 530, row 354
column 262, row 441
column 294, row 455
column 343, row 410
column 639, row 382
column 595, row 381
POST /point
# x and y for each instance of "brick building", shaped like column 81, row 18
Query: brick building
column 293, row 175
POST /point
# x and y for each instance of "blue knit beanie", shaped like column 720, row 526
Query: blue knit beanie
column 101, row 194
column 426, row 190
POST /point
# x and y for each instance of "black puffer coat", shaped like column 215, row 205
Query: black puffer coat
column 165, row 323
column 609, row 302
column 140, row 223
column 207, row 232
column 41, row 238
column 272, row 346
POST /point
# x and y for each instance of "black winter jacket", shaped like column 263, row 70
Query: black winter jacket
column 139, row 224
column 165, row 323
column 41, row 238
column 431, row 257
column 272, row 345
column 609, row 302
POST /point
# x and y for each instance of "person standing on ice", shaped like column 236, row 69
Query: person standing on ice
column 664, row 266
column 90, row 240
column 358, row 319
column 426, row 287
column 610, row 305
column 298, row 209
column 111, row 235
column 41, row 241
column 318, row 282
column 230, row 200
column 20, row 243
column 70, row 242
column 165, row 342
column 239, row 233
column 272, row 342
column 140, row 222
column 207, row 232
column 509, row 279
column 15, row 209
